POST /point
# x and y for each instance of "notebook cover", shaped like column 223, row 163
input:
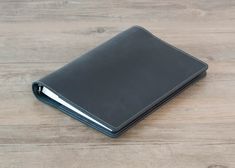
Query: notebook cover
column 121, row 80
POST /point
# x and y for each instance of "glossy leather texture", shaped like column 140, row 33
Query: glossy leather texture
column 121, row 80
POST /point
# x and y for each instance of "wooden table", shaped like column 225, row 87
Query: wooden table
column 194, row 130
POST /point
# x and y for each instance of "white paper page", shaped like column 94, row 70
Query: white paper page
column 53, row 96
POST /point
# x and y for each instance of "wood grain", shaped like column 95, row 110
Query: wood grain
column 196, row 129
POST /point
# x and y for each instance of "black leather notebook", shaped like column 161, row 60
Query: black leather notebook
column 117, row 83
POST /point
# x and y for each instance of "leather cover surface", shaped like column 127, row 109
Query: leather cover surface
column 121, row 80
